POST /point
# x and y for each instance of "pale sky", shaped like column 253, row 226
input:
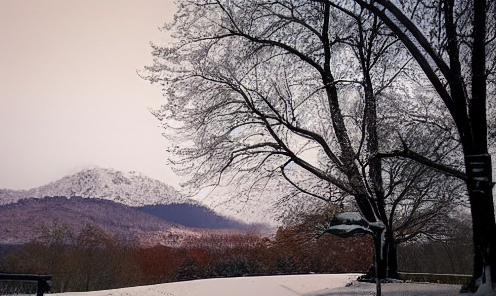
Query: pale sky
column 69, row 93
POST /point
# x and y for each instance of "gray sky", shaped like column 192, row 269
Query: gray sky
column 69, row 93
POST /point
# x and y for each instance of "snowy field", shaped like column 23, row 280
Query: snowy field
column 287, row 285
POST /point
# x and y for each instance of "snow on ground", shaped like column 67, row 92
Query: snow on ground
column 284, row 285
column 393, row 289
column 287, row 285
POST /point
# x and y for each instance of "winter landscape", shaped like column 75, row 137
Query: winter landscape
column 116, row 240
column 214, row 147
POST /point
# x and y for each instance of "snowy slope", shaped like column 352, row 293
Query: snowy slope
column 132, row 189
column 286, row 285
column 281, row 285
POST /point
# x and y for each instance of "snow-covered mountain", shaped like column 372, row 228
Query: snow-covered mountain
column 131, row 189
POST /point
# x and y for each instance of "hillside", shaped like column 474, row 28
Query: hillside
column 196, row 216
column 24, row 221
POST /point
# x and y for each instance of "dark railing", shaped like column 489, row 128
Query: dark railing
column 43, row 282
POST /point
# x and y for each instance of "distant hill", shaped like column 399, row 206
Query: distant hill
column 195, row 216
column 132, row 189
column 23, row 221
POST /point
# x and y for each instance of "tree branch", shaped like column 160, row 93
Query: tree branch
column 407, row 153
column 296, row 185
column 415, row 52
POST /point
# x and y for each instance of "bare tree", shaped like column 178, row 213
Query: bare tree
column 259, row 93
column 420, row 201
column 453, row 43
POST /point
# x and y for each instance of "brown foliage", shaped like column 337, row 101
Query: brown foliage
column 93, row 259
column 327, row 254
column 157, row 264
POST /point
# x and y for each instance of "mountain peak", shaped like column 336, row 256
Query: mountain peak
column 132, row 188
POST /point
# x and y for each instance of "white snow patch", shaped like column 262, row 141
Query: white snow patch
column 287, row 285
column 345, row 229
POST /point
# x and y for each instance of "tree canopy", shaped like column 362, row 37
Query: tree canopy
column 341, row 100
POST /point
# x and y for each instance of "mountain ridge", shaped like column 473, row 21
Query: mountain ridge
column 132, row 188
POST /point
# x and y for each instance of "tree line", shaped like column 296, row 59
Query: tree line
column 93, row 259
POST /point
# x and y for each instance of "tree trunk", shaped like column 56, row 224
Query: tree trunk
column 385, row 258
column 479, row 184
column 388, row 263
column 392, row 255
column 478, row 165
column 381, row 255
